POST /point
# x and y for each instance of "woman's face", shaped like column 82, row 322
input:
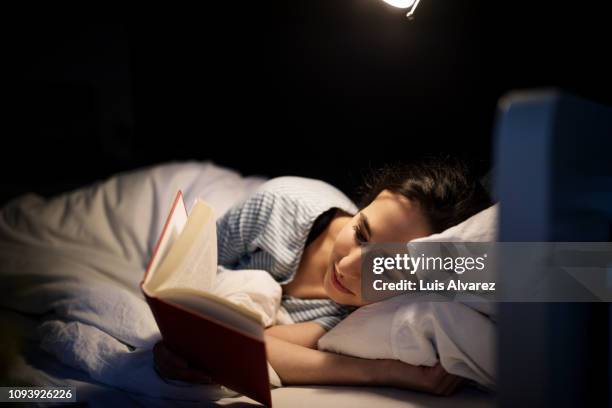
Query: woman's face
column 390, row 217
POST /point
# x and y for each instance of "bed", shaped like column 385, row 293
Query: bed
column 71, row 266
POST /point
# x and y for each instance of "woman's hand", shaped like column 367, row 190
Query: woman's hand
column 172, row 366
column 435, row 380
column 299, row 365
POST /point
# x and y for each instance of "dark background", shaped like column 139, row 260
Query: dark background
column 319, row 88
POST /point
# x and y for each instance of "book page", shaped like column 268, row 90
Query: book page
column 176, row 221
column 191, row 262
column 217, row 309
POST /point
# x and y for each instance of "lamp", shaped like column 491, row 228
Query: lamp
column 411, row 5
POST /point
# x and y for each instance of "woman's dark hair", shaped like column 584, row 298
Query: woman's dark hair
column 445, row 188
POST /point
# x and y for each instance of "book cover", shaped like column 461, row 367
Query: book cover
column 224, row 340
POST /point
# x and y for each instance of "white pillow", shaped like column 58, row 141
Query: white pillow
column 420, row 332
column 480, row 227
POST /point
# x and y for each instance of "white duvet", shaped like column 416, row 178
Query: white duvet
column 77, row 261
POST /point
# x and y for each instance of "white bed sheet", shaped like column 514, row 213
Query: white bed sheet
column 366, row 397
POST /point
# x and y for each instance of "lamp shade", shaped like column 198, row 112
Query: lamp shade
column 400, row 3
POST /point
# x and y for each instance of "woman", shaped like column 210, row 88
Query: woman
column 308, row 236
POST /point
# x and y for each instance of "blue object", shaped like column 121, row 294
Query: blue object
column 553, row 179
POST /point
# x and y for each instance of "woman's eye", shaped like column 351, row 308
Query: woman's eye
column 360, row 237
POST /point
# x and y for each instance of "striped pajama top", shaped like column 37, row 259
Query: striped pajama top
column 268, row 231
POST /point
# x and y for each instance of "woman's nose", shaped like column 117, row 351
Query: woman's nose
column 350, row 265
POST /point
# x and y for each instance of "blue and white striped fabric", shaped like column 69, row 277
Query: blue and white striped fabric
column 268, row 231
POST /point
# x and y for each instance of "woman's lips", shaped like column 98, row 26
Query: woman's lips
column 337, row 283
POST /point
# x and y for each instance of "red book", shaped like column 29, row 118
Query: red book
column 224, row 339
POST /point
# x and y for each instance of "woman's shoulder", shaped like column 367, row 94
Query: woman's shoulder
column 295, row 182
column 303, row 189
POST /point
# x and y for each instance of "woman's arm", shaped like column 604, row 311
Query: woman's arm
column 305, row 334
column 296, row 364
column 300, row 365
column 330, row 368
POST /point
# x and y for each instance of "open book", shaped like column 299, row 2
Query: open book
column 224, row 339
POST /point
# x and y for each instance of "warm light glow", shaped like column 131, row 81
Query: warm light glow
column 400, row 3
column 409, row 4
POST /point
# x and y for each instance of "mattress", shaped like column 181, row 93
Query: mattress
column 356, row 397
